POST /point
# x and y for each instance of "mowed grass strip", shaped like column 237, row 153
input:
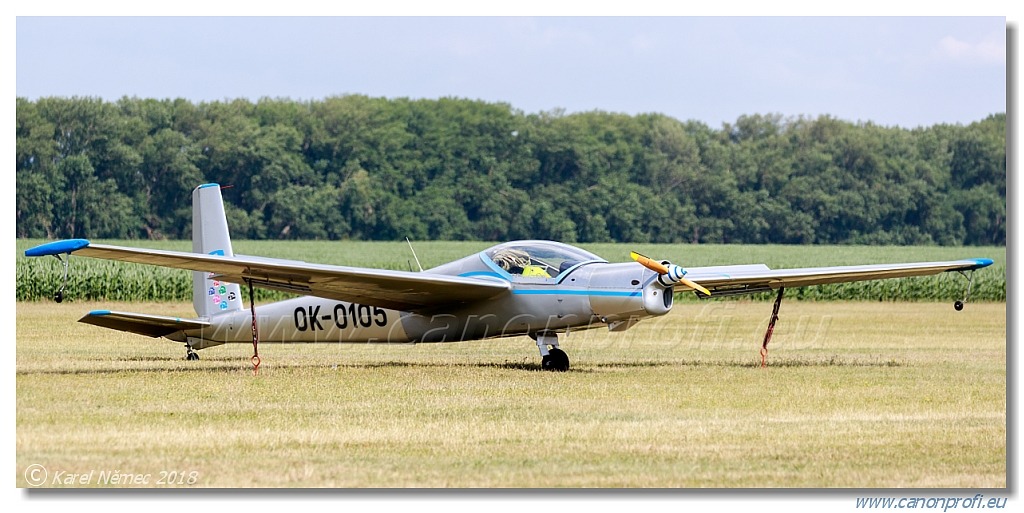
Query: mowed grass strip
column 855, row 395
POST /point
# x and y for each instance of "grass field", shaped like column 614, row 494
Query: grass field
column 856, row 394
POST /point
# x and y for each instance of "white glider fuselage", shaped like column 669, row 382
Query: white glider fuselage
column 590, row 294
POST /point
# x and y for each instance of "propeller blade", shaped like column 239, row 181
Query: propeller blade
column 653, row 265
column 693, row 285
column 674, row 274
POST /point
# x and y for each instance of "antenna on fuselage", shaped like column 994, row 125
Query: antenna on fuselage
column 414, row 254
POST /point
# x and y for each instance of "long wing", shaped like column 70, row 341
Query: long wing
column 741, row 279
column 399, row 290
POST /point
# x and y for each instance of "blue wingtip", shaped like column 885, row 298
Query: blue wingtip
column 982, row 262
column 205, row 185
column 98, row 313
column 57, row 247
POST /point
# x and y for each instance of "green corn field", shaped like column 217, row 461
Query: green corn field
column 101, row 280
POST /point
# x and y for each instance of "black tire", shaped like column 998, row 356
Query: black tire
column 958, row 305
column 192, row 355
column 556, row 360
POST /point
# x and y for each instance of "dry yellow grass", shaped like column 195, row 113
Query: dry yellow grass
column 855, row 395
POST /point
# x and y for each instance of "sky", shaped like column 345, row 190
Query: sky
column 903, row 71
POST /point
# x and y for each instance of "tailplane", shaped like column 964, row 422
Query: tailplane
column 210, row 237
column 144, row 324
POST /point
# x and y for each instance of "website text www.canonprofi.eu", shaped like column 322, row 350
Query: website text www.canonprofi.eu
column 978, row 501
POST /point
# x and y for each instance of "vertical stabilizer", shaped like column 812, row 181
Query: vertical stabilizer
column 210, row 237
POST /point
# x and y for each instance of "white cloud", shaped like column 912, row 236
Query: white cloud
column 642, row 43
column 991, row 50
column 549, row 32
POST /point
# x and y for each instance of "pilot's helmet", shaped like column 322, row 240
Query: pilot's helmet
column 511, row 259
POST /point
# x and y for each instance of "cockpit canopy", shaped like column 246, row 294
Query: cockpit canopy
column 538, row 259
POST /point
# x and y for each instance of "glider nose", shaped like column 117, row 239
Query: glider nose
column 658, row 299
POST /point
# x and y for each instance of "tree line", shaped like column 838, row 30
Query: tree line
column 355, row 167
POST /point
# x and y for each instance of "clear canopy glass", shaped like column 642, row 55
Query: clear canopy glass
column 538, row 259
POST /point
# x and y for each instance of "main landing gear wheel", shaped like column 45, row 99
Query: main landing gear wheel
column 958, row 305
column 556, row 360
column 191, row 355
column 552, row 358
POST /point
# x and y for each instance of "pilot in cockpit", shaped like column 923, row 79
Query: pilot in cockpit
column 518, row 262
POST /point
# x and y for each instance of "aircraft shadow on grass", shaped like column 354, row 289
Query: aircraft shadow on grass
column 228, row 363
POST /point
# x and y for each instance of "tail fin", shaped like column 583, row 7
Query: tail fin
column 210, row 237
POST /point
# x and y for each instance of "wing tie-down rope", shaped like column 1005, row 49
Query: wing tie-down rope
column 771, row 327
column 255, row 331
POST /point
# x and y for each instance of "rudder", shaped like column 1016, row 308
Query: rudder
column 210, row 237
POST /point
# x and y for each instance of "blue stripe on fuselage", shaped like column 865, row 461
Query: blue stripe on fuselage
column 562, row 292
column 483, row 274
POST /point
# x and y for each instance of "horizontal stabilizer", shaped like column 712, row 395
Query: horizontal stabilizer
column 141, row 324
